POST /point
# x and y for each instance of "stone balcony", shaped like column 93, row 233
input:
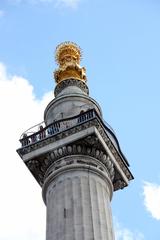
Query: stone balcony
column 85, row 134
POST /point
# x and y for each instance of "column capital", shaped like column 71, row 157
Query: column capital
column 77, row 163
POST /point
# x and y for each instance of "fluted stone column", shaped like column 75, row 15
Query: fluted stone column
column 75, row 156
column 78, row 203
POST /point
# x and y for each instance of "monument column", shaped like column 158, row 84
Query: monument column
column 78, row 201
column 75, row 157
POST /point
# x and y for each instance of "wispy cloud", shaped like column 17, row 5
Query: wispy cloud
column 21, row 200
column 68, row 3
column 151, row 192
column 1, row 13
column 57, row 3
column 122, row 233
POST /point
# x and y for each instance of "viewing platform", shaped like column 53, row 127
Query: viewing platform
column 33, row 136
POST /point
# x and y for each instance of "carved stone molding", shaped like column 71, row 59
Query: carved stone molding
column 53, row 156
column 119, row 184
column 71, row 82
column 51, row 177
column 96, row 158
column 115, row 153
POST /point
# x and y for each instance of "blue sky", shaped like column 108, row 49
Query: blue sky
column 121, row 52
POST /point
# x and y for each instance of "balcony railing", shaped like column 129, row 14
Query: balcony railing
column 56, row 127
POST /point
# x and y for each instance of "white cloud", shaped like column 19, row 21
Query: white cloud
column 122, row 233
column 21, row 200
column 151, row 192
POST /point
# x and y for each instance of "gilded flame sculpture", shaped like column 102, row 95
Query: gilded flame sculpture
column 68, row 56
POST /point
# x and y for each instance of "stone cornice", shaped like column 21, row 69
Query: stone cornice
column 56, row 137
column 114, row 151
column 94, row 122
column 88, row 134
column 96, row 158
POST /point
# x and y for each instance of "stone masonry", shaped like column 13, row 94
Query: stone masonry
column 75, row 157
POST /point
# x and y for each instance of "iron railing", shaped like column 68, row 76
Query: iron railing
column 55, row 128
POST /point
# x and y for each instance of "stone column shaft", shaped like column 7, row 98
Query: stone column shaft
column 78, row 204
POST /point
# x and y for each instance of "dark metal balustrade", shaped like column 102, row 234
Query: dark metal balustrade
column 56, row 127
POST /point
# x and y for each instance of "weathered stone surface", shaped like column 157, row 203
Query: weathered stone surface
column 77, row 160
column 76, row 203
column 89, row 141
column 69, row 105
